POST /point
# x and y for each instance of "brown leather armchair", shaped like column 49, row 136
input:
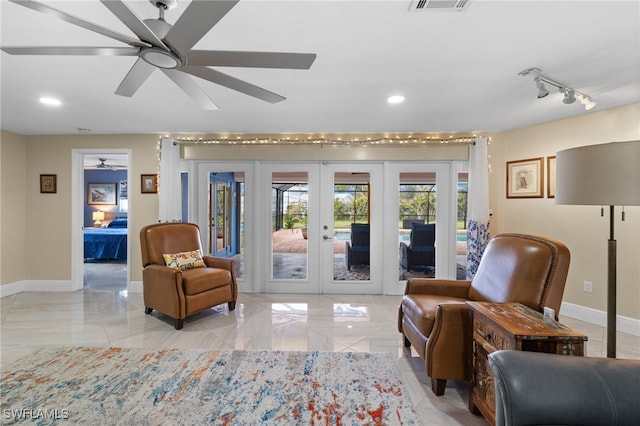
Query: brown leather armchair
column 176, row 292
column 434, row 318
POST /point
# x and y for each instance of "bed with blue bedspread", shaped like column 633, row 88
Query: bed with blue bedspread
column 106, row 243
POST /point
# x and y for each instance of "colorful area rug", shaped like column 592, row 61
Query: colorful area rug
column 214, row 387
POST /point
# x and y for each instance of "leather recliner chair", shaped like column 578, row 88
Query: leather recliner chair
column 533, row 388
column 179, row 293
column 434, row 318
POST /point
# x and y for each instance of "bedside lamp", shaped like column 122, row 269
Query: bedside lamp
column 97, row 218
column 602, row 175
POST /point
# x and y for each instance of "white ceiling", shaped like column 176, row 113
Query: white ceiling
column 457, row 70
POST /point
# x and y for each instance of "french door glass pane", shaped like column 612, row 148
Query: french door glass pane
column 351, row 214
column 289, row 200
column 226, row 217
column 417, row 225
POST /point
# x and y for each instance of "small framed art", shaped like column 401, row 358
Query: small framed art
column 551, row 177
column 101, row 194
column 149, row 184
column 525, row 178
column 48, row 184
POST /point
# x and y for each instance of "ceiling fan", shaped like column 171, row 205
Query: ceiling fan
column 167, row 47
column 103, row 166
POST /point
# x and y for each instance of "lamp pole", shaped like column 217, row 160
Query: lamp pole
column 611, row 288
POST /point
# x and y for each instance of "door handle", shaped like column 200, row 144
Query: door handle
column 326, row 237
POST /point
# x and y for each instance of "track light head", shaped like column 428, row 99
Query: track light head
column 542, row 90
column 569, row 96
column 588, row 103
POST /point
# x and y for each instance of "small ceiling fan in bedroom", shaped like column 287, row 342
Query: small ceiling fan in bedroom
column 160, row 45
column 102, row 164
column 113, row 164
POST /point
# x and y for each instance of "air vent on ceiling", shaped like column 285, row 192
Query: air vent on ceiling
column 450, row 5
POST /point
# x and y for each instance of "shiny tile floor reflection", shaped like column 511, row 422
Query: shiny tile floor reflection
column 112, row 317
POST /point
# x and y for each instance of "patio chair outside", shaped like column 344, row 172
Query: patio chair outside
column 357, row 250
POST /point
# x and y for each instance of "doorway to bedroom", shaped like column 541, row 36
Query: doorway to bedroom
column 104, row 214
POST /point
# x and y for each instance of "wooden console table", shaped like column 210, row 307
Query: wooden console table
column 512, row 326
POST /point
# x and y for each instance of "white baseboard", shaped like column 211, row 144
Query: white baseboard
column 48, row 285
column 20, row 286
column 32, row 285
column 593, row 316
column 135, row 287
column 11, row 288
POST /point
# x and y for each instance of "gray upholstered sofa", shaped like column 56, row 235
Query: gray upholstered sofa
column 542, row 389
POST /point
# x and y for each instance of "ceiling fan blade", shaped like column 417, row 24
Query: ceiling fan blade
column 137, row 75
column 199, row 17
column 72, row 50
column 49, row 10
column 222, row 58
column 233, row 83
column 191, row 88
column 131, row 20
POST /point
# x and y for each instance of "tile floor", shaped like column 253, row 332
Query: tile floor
column 104, row 314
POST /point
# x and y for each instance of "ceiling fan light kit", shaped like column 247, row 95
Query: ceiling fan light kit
column 168, row 48
column 569, row 94
column 160, row 58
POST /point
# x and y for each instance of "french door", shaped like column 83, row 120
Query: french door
column 351, row 228
column 308, row 209
column 326, row 227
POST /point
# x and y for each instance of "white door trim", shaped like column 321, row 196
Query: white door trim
column 77, row 213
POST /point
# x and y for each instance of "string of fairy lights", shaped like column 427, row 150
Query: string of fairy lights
column 321, row 141
column 326, row 141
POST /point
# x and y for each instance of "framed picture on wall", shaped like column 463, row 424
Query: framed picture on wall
column 101, row 193
column 149, row 184
column 525, row 178
column 124, row 190
column 48, row 184
column 551, row 177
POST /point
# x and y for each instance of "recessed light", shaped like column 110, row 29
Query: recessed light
column 395, row 99
column 50, row 101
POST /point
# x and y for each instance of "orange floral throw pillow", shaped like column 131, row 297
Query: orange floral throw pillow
column 185, row 260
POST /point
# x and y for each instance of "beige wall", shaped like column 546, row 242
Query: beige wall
column 13, row 204
column 580, row 227
column 48, row 216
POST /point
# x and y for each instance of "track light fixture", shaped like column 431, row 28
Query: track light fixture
column 569, row 95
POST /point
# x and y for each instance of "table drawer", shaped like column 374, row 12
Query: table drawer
column 491, row 337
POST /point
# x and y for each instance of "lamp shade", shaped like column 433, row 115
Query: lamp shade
column 604, row 175
column 98, row 215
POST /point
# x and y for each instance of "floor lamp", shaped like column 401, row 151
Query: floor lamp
column 604, row 175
